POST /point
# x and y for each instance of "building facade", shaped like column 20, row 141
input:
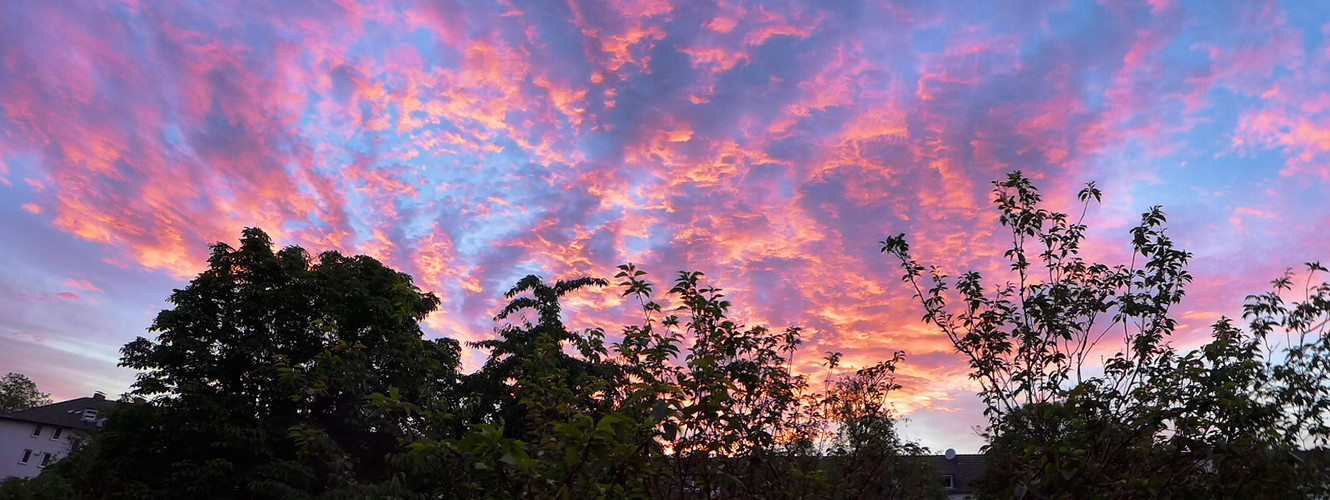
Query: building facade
column 34, row 438
column 957, row 471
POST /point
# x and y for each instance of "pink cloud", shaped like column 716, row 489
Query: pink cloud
column 769, row 145
column 82, row 284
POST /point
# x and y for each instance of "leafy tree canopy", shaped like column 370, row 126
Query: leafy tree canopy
column 279, row 375
column 1087, row 397
column 18, row 392
column 255, row 385
column 275, row 374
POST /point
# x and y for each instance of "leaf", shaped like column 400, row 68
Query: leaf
column 659, row 409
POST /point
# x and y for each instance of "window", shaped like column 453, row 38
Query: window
column 948, row 481
column 27, row 454
column 56, row 434
column 37, row 431
column 46, row 459
column 90, row 415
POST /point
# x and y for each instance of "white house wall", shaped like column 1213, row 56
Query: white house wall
column 16, row 436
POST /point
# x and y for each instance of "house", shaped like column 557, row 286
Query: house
column 957, row 471
column 33, row 438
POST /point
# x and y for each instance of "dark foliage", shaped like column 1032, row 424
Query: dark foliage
column 278, row 376
column 18, row 392
column 1223, row 421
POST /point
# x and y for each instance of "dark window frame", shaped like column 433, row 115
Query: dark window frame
column 949, row 481
column 27, row 455
column 37, row 431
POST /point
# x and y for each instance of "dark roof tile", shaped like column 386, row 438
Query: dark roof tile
column 68, row 414
column 962, row 470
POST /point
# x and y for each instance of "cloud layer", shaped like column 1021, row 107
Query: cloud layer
column 768, row 144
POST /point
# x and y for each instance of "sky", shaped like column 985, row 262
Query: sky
column 770, row 145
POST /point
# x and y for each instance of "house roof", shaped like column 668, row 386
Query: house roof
column 67, row 414
column 1314, row 453
column 962, row 470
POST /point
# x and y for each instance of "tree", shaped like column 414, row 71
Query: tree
column 655, row 417
column 274, row 375
column 741, row 423
column 546, row 413
column 529, row 380
column 18, row 392
column 870, row 458
column 1218, row 422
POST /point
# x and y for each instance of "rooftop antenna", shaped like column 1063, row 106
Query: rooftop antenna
column 950, row 454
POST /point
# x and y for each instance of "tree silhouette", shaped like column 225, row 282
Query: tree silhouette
column 18, row 392
column 1219, row 422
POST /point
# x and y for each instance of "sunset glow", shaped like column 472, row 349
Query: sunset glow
column 770, row 145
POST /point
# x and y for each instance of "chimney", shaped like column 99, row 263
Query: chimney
column 99, row 396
